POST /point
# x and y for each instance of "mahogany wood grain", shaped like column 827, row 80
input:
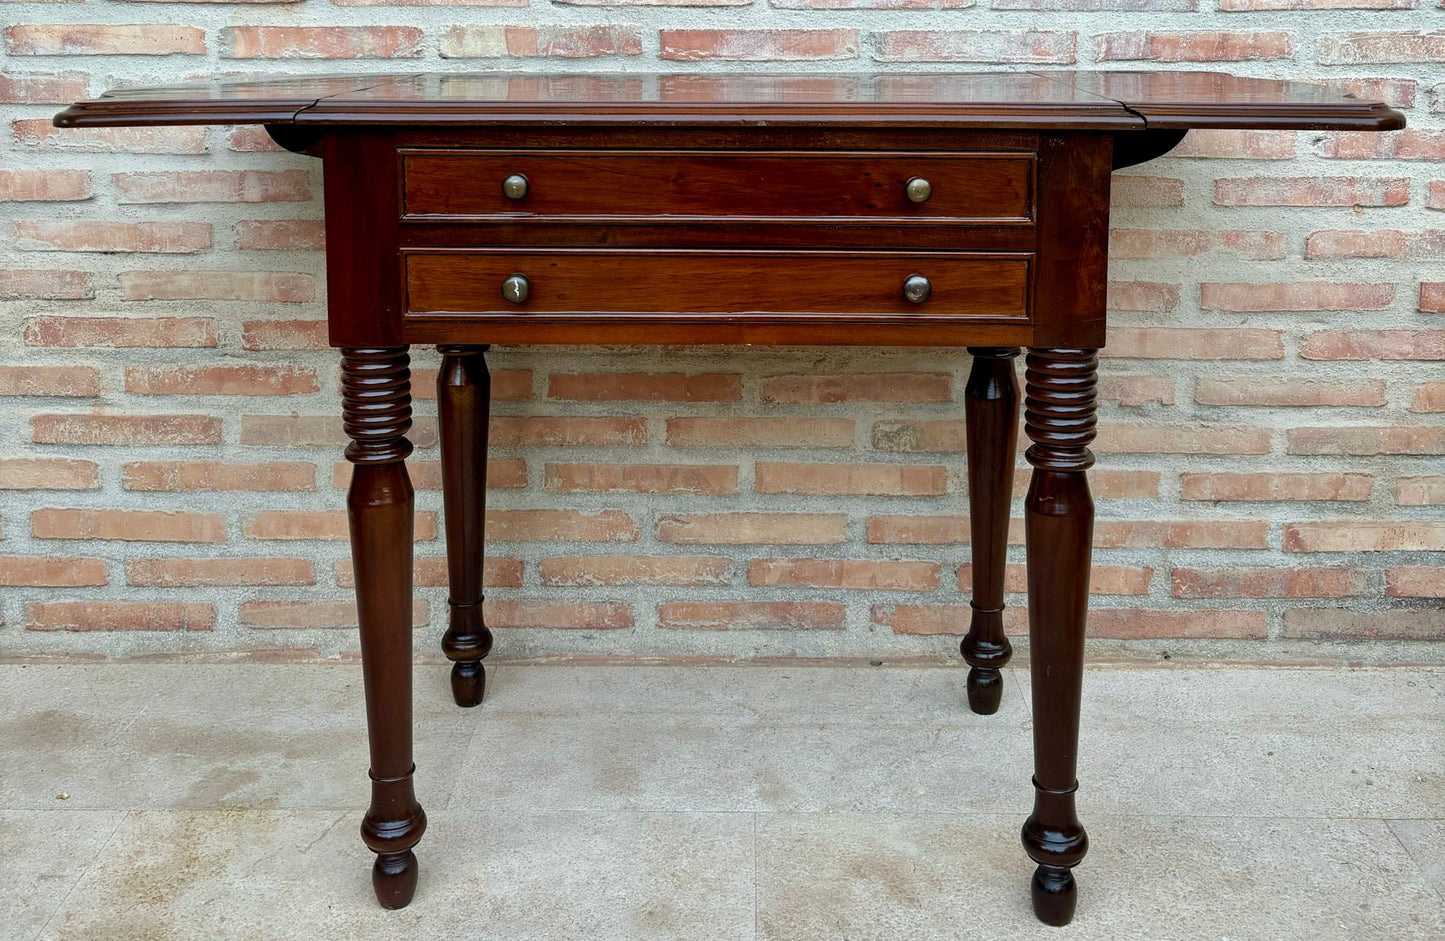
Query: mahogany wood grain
column 991, row 419
column 729, row 209
column 464, row 396
column 836, row 187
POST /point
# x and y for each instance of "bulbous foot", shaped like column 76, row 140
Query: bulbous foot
column 469, row 682
column 1055, row 895
column 394, row 878
column 985, row 690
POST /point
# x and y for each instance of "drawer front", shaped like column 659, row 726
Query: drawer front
column 600, row 186
column 677, row 284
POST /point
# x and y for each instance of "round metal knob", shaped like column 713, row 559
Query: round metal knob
column 916, row 289
column 516, row 288
column 918, row 189
column 515, row 186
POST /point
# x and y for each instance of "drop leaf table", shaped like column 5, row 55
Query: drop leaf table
column 957, row 210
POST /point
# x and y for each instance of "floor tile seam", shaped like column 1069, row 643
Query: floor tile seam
column 122, row 817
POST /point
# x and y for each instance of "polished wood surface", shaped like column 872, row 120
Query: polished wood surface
column 728, row 209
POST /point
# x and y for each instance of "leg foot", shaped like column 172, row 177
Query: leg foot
column 394, row 878
column 985, row 690
column 1055, row 895
column 469, row 682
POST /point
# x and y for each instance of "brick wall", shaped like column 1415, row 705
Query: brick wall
column 1270, row 470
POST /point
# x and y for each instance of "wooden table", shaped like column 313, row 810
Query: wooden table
column 967, row 210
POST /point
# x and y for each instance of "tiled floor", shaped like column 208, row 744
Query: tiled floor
column 219, row 802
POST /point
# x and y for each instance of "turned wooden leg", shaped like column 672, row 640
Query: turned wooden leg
column 1059, row 417
column 464, row 397
column 991, row 412
column 376, row 413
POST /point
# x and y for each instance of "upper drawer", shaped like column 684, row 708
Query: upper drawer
column 658, row 186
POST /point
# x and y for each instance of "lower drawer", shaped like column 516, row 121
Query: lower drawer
column 688, row 284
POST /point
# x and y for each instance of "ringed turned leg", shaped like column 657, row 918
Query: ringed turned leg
column 991, row 412
column 1059, row 417
column 376, row 413
column 464, row 390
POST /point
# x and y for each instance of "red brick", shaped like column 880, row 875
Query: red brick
column 1406, row 439
column 1365, row 536
column 51, row 571
column 119, row 616
column 1193, row 343
column 502, row 474
column 1374, row 344
column 252, row 139
column 281, row 287
column 530, row 42
column 212, row 186
column 1436, row 198
column 1429, row 397
column 24, row 284
column 42, row 88
column 1236, row 144
column 860, row 387
column 560, row 526
column 1395, row 92
column 431, row 572
column 321, row 42
column 1275, row 487
column 813, row 4
column 168, row 238
column 126, row 429
column 1355, row 243
column 751, row 615
column 229, row 572
column 1132, row 623
column 783, row 529
column 757, row 45
column 697, row 479
column 44, row 185
column 48, row 473
column 1335, row 624
column 173, row 332
column 551, row 431
column 1322, row 582
column 1432, row 297
column 896, row 480
column 1103, row 579
column 1146, row 191
column 566, row 615
column 925, row 618
column 1181, row 438
column 39, row 132
column 508, row 385
column 269, row 615
column 72, row 381
column 1097, row 6
column 1312, row 191
column 127, row 525
column 281, row 235
column 760, row 432
column 318, row 430
column 220, row 380
column 941, row 436
column 1409, row 144
column 1288, row 393
column 1295, row 296
column 1231, row 6
column 1105, row 484
column 845, row 573
column 218, row 475
column 1144, row 296
column 1415, row 581
column 125, row 39
column 1191, row 243
column 595, row 570
column 1136, row 391
column 647, row 387
column 284, row 335
column 1199, row 46
column 1034, row 47
column 320, row 524
column 1420, row 491
column 1181, row 534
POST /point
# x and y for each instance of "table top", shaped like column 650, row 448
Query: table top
column 1099, row 101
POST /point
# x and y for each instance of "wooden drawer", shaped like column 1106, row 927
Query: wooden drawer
column 673, row 284
column 783, row 186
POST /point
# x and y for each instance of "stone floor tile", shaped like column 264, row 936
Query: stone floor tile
column 45, row 853
column 1424, row 840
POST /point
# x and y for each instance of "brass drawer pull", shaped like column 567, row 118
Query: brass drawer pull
column 515, row 186
column 918, row 189
column 916, row 289
column 516, row 288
